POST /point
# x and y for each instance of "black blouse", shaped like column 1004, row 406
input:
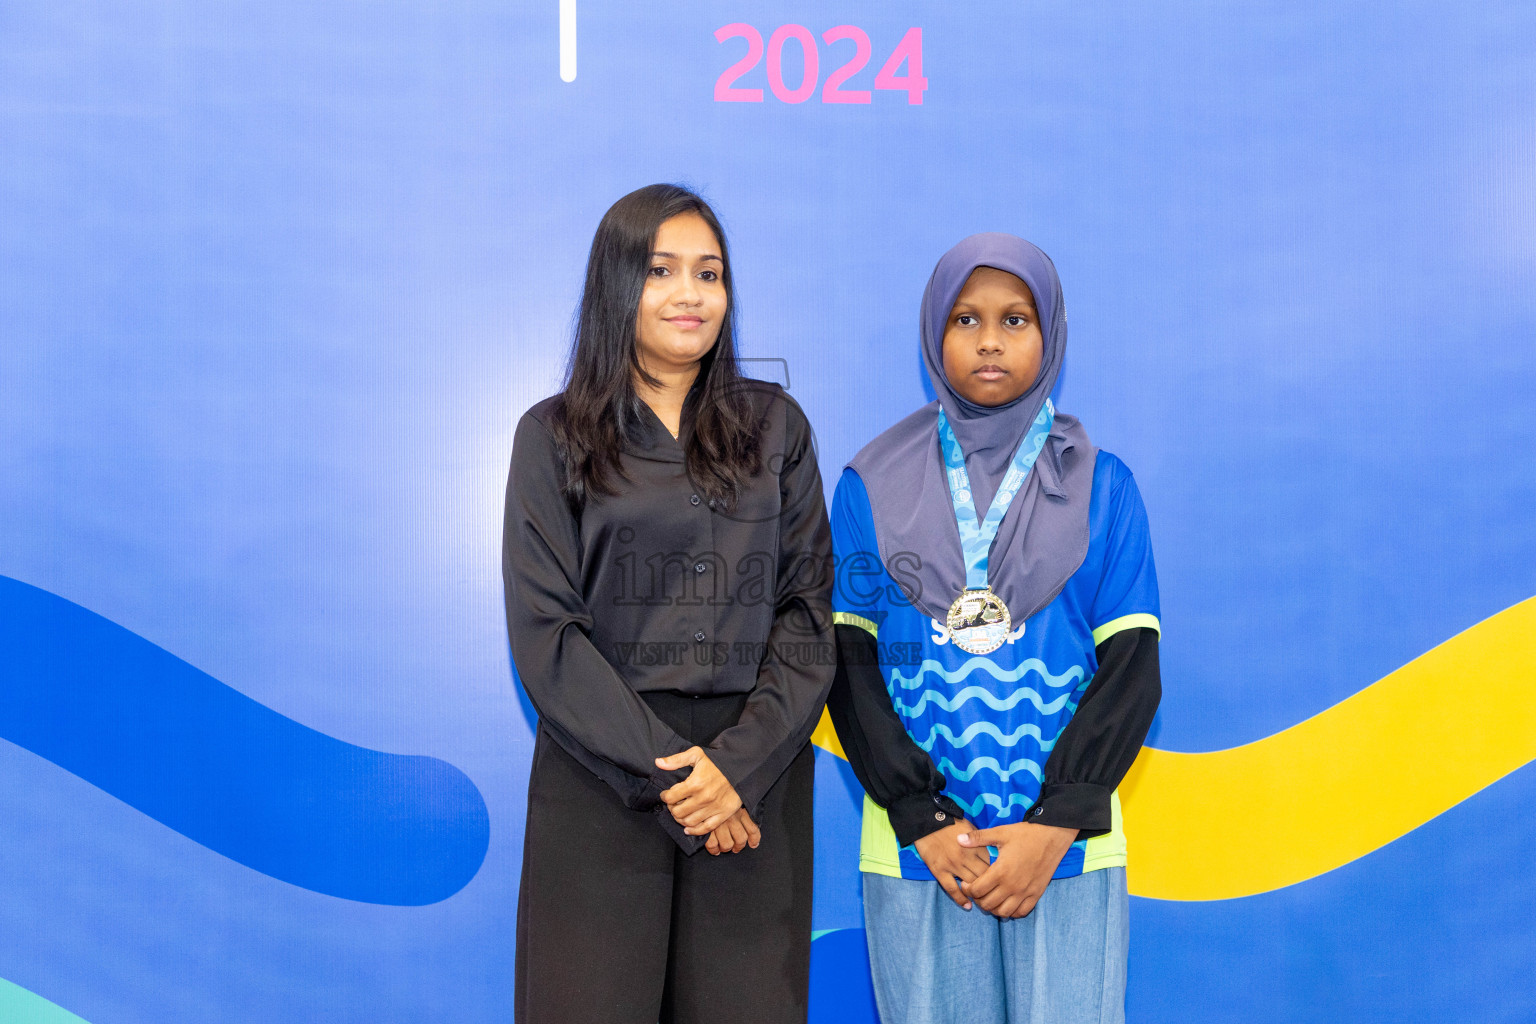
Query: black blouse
column 660, row 588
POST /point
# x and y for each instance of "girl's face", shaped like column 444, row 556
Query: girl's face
column 992, row 340
column 684, row 301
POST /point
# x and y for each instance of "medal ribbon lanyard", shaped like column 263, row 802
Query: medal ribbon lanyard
column 976, row 537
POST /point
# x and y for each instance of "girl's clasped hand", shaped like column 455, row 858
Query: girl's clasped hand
column 1011, row 885
column 1027, row 857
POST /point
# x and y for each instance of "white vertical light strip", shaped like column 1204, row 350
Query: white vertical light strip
column 567, row 40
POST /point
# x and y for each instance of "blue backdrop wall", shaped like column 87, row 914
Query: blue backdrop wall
column 277, row 280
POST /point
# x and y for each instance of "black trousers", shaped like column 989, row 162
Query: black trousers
column 615, row 925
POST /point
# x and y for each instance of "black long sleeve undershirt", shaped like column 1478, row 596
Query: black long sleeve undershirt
column 1089, row 759
column 895, row 772
column 1102, row 740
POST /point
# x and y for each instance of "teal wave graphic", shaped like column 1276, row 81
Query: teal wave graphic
column 978, row 728
column 1013, row 675
column 205, row 760
column 986, row 697
column 18, row 1006
column 980, row 764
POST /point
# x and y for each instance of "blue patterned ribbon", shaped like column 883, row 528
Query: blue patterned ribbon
column 976, row 537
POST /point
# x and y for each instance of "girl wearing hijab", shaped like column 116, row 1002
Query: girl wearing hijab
column 666, row 553
column 997, row 625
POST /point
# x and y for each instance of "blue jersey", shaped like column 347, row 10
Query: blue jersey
column 989, row 721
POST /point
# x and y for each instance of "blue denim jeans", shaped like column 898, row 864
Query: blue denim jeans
column 934, row 963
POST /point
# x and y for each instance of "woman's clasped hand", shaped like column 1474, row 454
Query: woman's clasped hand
column 705, row 803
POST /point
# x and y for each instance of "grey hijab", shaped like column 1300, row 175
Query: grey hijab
column 1044, row 537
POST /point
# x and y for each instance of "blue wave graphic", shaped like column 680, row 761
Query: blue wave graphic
column 985, row 696
column 1003, row 808
column 225, row 771
column 1023, row 764
column 1013, row 675
column 977, row 728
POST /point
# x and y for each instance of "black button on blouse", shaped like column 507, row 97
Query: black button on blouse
column 601, row 605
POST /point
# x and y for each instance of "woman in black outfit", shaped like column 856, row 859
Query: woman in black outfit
column 667, row 562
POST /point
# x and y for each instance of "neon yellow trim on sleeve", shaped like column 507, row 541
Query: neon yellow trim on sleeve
column 1125, row 622
column 850, row 619
column 878, row 852
column 1108, row 850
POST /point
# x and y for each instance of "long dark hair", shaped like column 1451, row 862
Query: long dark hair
column 600, row 411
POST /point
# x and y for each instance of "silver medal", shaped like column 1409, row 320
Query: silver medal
column 978, row 621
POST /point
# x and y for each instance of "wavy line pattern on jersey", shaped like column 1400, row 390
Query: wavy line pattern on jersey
column 1367, row 774
column 1055, row 682
column 225, row 771
column 975, row 729
column 1179, row 808
column 984, row 763
column 1003, row 807
column 985, row 696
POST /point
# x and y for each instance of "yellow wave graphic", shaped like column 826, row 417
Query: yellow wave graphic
column 1344, row 782
column 825, row 736
column 1339, row 785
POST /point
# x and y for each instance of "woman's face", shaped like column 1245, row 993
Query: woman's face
column 684, row 300
column 992, row 340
